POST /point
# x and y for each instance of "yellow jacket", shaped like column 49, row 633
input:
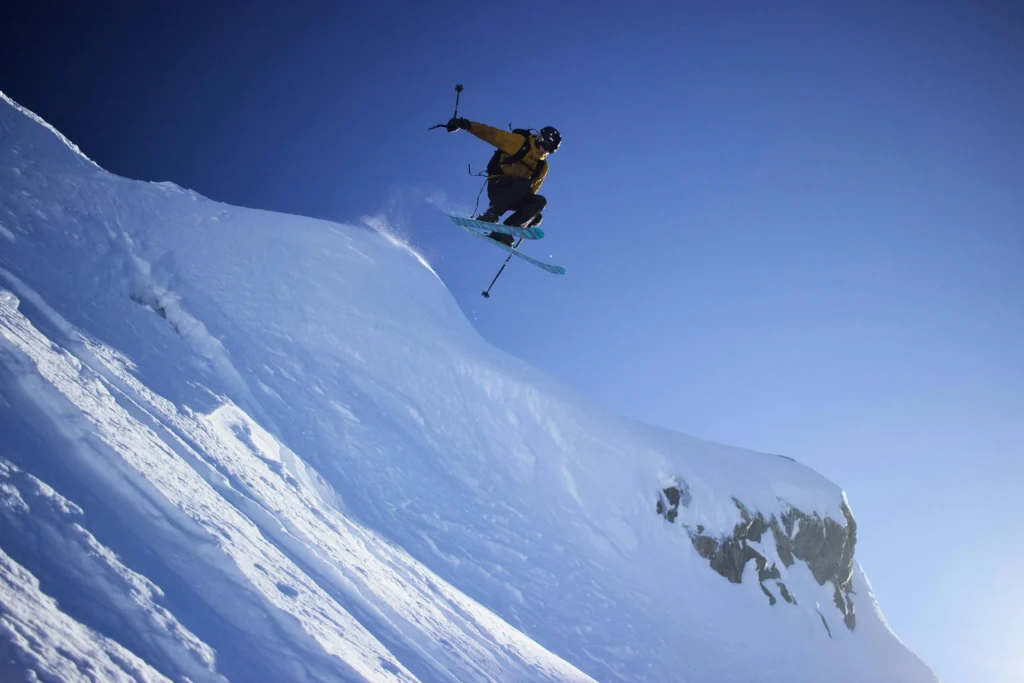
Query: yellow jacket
column 532, row 165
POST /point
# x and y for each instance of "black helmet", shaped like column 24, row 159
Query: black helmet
column 549, row 138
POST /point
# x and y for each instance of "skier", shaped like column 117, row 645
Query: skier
column 514, row 173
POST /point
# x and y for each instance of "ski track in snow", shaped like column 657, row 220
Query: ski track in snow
column 236, row 445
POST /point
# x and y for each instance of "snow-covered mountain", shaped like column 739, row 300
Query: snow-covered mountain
column 240, row 445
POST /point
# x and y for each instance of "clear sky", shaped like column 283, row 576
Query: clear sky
column 796, row 227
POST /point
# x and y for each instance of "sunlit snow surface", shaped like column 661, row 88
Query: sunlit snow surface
column 239, row 445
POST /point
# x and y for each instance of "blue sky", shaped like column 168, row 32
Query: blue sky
column 796, row 227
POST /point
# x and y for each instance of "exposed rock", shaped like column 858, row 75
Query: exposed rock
column 826, row 546
column 782, row 543
column 729, row 556
column 766, row 572
column 670, row 498
column 825, row 623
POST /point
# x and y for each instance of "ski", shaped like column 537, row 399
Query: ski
column 475, row 225
column 551, row 268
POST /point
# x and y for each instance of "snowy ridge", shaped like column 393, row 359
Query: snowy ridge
column 274, row 449
column 56, row 133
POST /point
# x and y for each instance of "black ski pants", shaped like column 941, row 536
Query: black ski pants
column 511, row 193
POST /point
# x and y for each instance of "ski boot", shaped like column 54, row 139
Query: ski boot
column 492, row 216
column 501, row 237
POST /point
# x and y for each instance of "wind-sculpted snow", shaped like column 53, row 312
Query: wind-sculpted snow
column 39, row 524
column 240, row 445
column 38, row 638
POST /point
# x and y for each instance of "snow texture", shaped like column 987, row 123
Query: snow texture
column 239, row 445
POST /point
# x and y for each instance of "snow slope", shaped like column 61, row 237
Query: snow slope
column 239, row 445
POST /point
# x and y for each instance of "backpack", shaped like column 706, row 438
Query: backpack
column 494, row 166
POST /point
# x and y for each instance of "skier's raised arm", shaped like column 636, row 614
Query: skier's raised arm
column 509, row 143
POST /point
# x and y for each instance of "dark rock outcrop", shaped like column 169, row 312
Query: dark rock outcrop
column 825, row 623
column 671, row 497
column 825, row 545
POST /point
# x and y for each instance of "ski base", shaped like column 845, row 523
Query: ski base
column 525, row 233
column 549, row 267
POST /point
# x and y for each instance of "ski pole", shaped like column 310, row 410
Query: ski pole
column 487, row 292
column 458, row 93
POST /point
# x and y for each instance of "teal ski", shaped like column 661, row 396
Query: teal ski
column 525, row 233
column 551, row 268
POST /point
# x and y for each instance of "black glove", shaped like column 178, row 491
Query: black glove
column 456, row 124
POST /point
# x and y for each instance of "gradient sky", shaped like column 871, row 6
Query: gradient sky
column 796, row 227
